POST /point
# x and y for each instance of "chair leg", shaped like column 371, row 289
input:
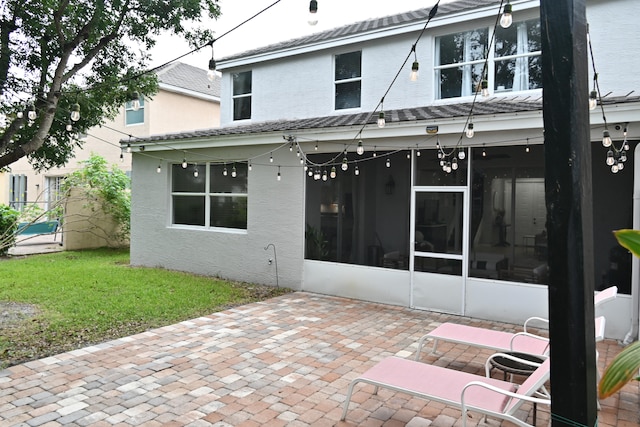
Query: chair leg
column 348, row 399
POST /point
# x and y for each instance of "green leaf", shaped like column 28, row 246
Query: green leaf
column 622, row 369
column 629, row 239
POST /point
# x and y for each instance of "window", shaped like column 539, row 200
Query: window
column 360, row 219
column 241, row 95
column 348, row 75
column 53, row 194
column 17, row 191
column 213, row 198
column 514, row 62
column 134, row 116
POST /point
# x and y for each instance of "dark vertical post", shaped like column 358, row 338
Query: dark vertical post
column 565, row 83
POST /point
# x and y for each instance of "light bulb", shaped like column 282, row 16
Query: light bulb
column 313, row 12
column 234, row 173
column 135, row 101
column 381, row 120
column 593, row 100
column 623, row 156
column 128, row 147
column 75, row 112
column 484, row 153
column 211, row 73
column 461, row 154
column 271, row 158
column 316, row 175
column 356, row 171
column 310, row 172
column 414, row 71
column 374, row 152
column 333, row 172
column 606, row 139
column 250, row 166
column 224, row 171
column 615, row 169
column 409, row 155
column 69, row 126
column 19, row 114
column 345, row 164
column 121, row 157
column 159, row 169
column 418, row 153
column 485, row 88
column 184, row 163
column 620, row 166
column 360, row 149
column 279, row 175
column 507, row 18
column 470, row 131
column 610, row 159
column 324, row 175
column 388, row 163
column 195, row 172
column 454, row 164
column 32, row 115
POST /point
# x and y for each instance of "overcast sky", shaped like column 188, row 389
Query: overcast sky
column 284, row 21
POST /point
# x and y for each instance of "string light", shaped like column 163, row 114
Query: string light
column 75, row 112
column 388, row 163
column 470, row 132
column 507, row 18
column 485, row 87
column 184, row 163
column 271, row 158
column 356, row 171
column 32, row 115
column 313, row 12
column 279, row 177
column 360, row 148
column 121, row 156
column 484, row 152
column 159, row 168
column 250, row 165
column 333, row 172
column 381, row 121
column 69, row 126
column 234, row 172
column 195, row 170
column 606, row 138
column 374, row 151
column 224, row 170
column 461, row 153
column 324, row 175
column 211, row 73
column 415, row 66
column 135, row 101
column 345, row 164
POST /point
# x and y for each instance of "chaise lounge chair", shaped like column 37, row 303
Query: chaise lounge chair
column 463, row 390
column 521, row 342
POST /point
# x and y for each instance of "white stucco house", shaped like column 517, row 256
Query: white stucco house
column 300, row 187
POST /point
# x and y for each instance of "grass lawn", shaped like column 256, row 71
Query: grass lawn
column 87, row 297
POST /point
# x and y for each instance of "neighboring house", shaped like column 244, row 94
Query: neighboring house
column 394, row 227
column 186, row 101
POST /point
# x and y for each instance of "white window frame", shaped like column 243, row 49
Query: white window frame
column 243, row 95
column 128, row 107
column 349, row 80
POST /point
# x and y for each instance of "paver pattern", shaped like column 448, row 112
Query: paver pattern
column 286, row 361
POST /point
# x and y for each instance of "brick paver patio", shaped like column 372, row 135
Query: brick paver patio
column 283, row 362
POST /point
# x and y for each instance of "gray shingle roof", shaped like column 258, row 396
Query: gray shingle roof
column 367, row 26
column 188, row 77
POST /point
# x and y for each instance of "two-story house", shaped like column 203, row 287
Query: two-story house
column 186, row 100
column 337, row 171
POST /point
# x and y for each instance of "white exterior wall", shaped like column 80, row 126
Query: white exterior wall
column 275, row 215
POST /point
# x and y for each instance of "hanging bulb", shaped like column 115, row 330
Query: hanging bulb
column 360, row 149
column 484, row 152
column 195, row 171
column 302, row 161
column 121, row 156
column 184, row 163
column 224, row 171
column 75, row 112
column 507, row 18
column 414, row 71
column 309, row 171
column 374, row 151
column 620, row 166
column 234, row 173
column 159, row 168
column 271, row 158
column 454, row 164
column 69, row 126
column 313, row 12
column 388, row 163
column 461, row 154
column 250, row 165
column 418, row 152
column 623, row 156
column 526, row 149
column 211, row 72
column 485, row 88
column 135, row 101
column 32, row 115
column 316, row 175
column 593, row 100
column 279, row 175
column 298, row 152
column 606, row 138
column 291, row 147
column 356, row 171
column 345, row 164
column 20, row 114
column 333, row 172
column 470, row 131
column 448, row 167
column 610, row 159
column 128, row 147
column 316, row 147
column 381, row 120
column 409, row 155
column 324, row 175
column 615, row 169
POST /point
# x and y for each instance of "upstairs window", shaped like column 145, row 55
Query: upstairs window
column 242, row 95
column 348, row 76
column 134, row 116
column 514, row 62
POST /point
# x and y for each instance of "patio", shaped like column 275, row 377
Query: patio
column 286, row 361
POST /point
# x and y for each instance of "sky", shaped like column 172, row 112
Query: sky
column 285, row 20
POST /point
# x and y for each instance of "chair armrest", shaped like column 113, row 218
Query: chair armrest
column 535, row 319
column 488, row 366
column 500, row 391
column 527, row 335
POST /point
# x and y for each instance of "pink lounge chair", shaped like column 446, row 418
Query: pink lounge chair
column 463, row 390
column 522, row 342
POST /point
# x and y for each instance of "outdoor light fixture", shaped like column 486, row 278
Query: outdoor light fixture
column 75, row 112
column 606, row 139
column 279, row 175
column 135, row 101
column 211, row 73
column 381, row 121
column 324, row 175
column 485, row 87
column 69, row 126
column 224, row 171
column 360, row 149
column 415, row 66
column 313, row 12
column 32, row 115
column 333, row 172
column 184, row 163
column 507, row 18
column 234, row 172
column 470, row 132
column 195, row 171
column 159, row 168
column 345, row 164
column 356, row 171
column 461, row 154
column 593, row 100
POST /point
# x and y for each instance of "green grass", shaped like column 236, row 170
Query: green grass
column 87, row 297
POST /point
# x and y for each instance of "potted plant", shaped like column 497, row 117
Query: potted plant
column 625, row 365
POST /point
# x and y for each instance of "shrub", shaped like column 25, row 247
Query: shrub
column 8, row 228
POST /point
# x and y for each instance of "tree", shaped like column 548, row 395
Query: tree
column 58, row 55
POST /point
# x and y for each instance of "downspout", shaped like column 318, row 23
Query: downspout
column 635, row 262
